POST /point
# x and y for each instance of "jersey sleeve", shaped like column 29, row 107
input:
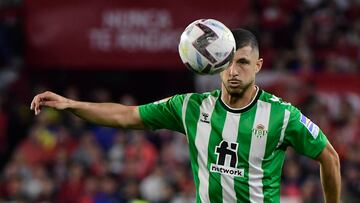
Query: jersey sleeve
column 304, row 135
column 163, row 114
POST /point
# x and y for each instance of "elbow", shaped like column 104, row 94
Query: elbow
column 334, row 159
column 329, row 158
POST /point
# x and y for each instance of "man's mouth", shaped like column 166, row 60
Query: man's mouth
column 234, row 82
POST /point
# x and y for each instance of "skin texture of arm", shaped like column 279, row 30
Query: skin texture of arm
column 330, row 174
column 107, row 114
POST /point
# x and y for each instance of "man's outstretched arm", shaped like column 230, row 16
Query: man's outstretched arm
column 330, row 174
column 107, row 114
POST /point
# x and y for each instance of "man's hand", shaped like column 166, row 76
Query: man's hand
column 49, row 99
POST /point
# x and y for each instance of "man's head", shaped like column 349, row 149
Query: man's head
column 240, row 75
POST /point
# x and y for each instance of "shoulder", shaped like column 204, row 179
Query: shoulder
column 278, row 103
column 179, row 99
column 199, row 97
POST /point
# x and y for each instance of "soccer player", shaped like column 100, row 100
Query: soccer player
column 237, row 136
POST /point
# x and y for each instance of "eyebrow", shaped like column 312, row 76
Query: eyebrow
column 243, row 60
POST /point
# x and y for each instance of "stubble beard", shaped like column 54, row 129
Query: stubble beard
column 239, row 91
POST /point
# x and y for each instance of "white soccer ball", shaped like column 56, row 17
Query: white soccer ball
column 207, row 46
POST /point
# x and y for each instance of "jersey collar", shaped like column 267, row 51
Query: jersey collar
column 245, row 108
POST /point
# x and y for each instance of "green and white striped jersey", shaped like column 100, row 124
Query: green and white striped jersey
column 236, row 154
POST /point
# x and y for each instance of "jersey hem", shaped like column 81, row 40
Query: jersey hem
column 140, row 108
column 320, row 150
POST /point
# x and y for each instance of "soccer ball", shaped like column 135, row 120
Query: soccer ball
column 206, row 46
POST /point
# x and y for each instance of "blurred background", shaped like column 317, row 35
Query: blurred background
column 126, row 51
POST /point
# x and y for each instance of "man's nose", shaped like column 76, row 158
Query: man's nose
column 233, row 70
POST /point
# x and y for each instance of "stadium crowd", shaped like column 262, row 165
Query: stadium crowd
column 308, row 36
column 56, row 157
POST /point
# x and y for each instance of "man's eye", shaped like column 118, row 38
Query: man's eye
column 242, row 62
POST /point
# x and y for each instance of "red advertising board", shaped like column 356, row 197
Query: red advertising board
column 126, row 34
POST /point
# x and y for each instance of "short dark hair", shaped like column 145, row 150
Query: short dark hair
column 245, row 38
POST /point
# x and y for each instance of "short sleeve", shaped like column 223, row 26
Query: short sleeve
column 163, row 114
column 304, row 135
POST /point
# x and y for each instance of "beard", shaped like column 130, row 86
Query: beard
column 237, row 91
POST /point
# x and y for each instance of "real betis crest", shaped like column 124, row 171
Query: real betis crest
column 260, row 131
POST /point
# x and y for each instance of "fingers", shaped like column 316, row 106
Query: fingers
column 35, row 105
column 38, row 101
column 32, row 105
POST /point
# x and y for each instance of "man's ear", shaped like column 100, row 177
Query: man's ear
column 259, row 64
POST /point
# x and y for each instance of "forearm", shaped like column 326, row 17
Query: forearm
column 331, row 181
column 107, row 114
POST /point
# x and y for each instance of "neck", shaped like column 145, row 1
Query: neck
column 239, row 101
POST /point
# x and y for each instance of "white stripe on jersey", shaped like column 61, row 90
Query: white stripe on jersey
column 229, row 134
column 202, row 142
column 257, row 151
column 283, row 128
column 184, row 107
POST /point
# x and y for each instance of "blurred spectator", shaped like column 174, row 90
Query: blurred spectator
column 33, row 150
column 140, row 156
column 291, row 181
column 310, row 190
column 108, row 191
column 3, row 126
column 352, row 182
column 131, row 190
column 72, row 189
column 38, row 185
column 116, row 153
column 11, row 42
column 88, row 151
column 91, row 185
column 155, row 188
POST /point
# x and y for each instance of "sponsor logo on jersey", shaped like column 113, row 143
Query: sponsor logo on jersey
column 227, row 160
column 312, row 127
column 204, row 117
column 227, row 170
column 260, row 131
